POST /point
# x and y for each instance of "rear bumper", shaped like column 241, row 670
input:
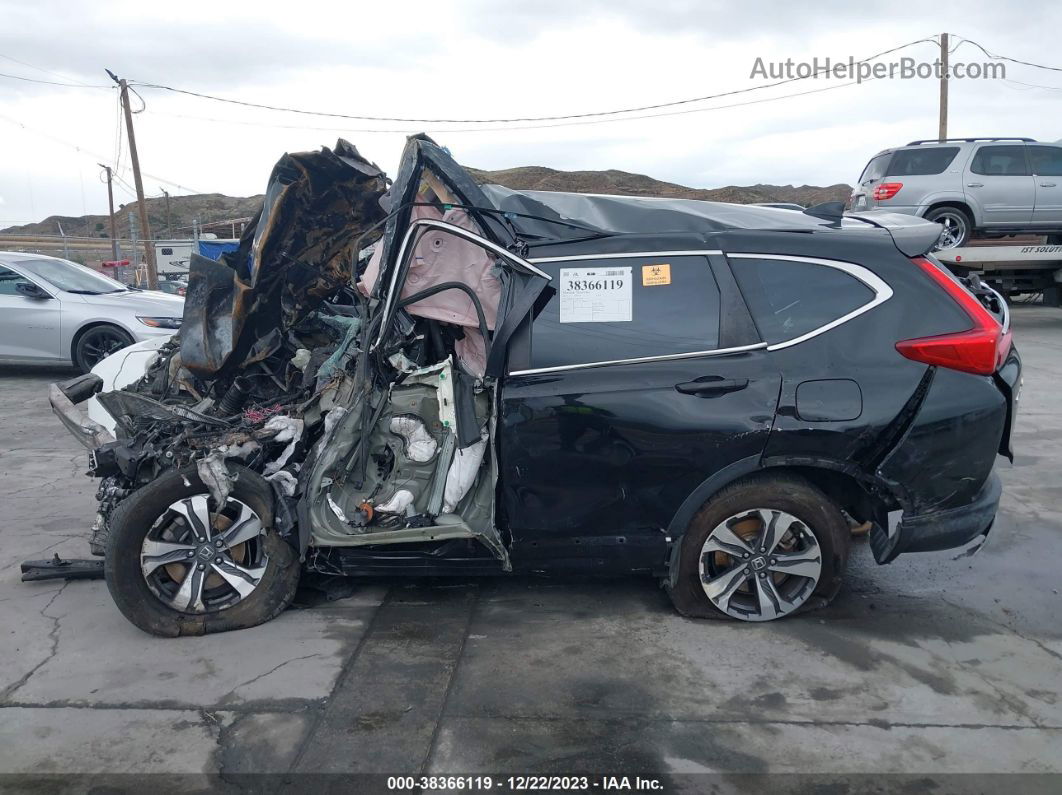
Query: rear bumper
column 931, row 532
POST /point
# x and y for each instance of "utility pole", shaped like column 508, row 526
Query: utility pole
column 942, row 131
column 110, row 208
column 145, row 229
column 166, row 193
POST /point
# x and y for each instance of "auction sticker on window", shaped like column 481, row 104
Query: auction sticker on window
column 595, row 295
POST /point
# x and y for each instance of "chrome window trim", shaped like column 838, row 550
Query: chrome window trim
column 626, row 255
column 666, row 358
column 882, row 291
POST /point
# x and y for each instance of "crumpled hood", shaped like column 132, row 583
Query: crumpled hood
column 295, row 252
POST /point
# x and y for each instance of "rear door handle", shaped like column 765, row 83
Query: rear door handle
column 975, row 184
column 711, row 385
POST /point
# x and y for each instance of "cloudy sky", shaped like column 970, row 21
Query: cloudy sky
column 479, row 59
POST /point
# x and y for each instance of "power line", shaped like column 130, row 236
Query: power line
column 48, row 82
column 995, row 57
column 1031, row 85
column 46, row 71
column 616, row 112
column 521, row 127
column 92, row 154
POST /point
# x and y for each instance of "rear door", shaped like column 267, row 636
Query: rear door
column 998, row 180
column 1045, row 162
column 29, row 327
column 816, row 316
column 629, row 392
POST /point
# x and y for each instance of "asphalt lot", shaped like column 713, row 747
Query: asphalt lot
column 926, row 667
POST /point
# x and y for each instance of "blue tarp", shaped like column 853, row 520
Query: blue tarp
column 215, row 248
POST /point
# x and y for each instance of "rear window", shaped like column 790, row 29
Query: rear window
column 915, row 162
column 789, row 299
column 606, row 310
column 1046, row 160
column 1000, row 161
column 875, row 168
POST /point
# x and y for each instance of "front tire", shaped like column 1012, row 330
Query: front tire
column 97, row 343
column 958, row 226
column 761, row 549
column 175, row 565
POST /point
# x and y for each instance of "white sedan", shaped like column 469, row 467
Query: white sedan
column 53, row 310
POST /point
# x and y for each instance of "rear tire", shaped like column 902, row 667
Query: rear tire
column 97, row 343
column 152, row 506
column 958, row 226
column 770, row 593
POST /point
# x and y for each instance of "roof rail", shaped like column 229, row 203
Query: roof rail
column 971, row 140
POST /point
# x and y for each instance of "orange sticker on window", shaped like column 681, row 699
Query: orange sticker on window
column 655, row 275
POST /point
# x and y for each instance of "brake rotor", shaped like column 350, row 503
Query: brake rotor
column 749, row 530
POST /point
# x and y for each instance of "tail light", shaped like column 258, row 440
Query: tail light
column 980, row 350
column 886, row 190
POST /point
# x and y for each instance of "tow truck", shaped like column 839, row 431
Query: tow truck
column 1012, row 269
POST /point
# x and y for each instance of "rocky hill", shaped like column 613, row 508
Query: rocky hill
column 215, row 207
column 626, row 184
column 206, row 207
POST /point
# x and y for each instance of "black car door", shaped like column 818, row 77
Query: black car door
column 639, row 377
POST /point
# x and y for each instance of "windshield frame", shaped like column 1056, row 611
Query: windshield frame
column 83, row 278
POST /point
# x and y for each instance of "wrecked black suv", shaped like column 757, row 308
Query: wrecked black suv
column 440, row 377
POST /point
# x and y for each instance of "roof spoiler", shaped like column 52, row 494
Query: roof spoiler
column 912, row 235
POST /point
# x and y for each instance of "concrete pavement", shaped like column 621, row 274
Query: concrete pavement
column 927, row 667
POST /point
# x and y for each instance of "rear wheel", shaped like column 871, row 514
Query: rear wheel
column 957, row 226
column 99, row 342
column 761, row 549
column 178, row 564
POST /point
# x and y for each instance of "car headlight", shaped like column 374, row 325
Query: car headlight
column 160, row 322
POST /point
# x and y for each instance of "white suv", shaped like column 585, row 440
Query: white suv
column 990, row 186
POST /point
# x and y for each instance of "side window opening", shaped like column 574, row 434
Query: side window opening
column 1046, row 160
column 876, row 168
column 789, row 299
column 1000, row 161
column 922, row 161
column 8, row 280
column 616, row 309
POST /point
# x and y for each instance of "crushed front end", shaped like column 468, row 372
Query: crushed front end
column 342, row 354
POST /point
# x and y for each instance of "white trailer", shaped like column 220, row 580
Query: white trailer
column 172, row 256
column 1012, row 270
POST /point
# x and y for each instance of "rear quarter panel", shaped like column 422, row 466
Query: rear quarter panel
column 882, row 442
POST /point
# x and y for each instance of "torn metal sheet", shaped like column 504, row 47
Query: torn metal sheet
column 295, row 253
